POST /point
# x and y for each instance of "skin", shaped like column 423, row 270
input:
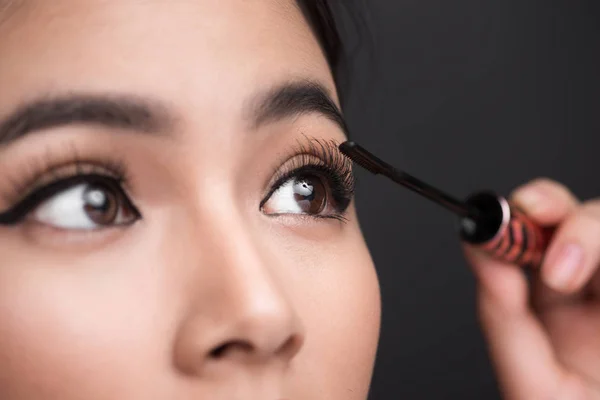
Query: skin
column 544, row 338
column 137, row 312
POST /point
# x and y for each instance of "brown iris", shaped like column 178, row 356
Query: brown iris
column 310, row 193
column 102, row 204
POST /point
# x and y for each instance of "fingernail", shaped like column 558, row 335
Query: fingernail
column 564, row 268
column 533, row 197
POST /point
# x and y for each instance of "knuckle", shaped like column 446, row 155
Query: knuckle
column 587, row 218
column 549, row 185
column 542, row 183
column 591, row 210
column 546, row 191
column 552, row 189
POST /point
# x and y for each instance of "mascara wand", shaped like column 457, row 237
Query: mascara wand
column 487, row 220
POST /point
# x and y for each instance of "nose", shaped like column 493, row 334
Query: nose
column 240, row 314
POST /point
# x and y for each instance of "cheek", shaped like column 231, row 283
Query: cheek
column 336, row 293
column 77, row 330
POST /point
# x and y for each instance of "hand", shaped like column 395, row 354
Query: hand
column 544, row 336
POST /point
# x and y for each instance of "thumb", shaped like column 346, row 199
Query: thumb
column 520, row 348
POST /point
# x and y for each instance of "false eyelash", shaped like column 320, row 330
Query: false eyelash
column 47, row 170
column 322, row 157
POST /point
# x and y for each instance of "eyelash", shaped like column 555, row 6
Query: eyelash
column 29, row 193
column 311, row 157
column 112, row 168
column 323, row 159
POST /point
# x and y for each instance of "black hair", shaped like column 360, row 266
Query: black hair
column 325, row 22
column 321, row 18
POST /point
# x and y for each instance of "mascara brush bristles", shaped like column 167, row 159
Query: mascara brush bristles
column 362, row 157
column 375, row 165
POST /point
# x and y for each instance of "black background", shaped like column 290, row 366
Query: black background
column 465, row 94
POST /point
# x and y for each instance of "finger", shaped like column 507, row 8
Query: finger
column 594, row 285
column 520, row 348
column 544, row 297
column 574, row 252
column 548, row 203
column 545, row 201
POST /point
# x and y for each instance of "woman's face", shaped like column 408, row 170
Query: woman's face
column 176, row 219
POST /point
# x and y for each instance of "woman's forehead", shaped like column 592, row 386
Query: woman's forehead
column 227, row 19
column 177, row 47
column 282, row 9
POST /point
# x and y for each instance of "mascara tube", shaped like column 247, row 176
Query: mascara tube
column 504, row 231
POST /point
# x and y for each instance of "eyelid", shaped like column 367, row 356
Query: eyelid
column 38, row 196
column 321, row 158
column 43, row 171
column 310, row 150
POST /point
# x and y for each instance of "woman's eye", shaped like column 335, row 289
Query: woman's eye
column 298, row 195
column 86, row 206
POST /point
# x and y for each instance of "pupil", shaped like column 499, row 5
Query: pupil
column 101, row 204
column 310, row 194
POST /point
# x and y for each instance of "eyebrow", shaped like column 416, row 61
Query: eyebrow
column 139, row 115
column 111, row 111
column 298, row 98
